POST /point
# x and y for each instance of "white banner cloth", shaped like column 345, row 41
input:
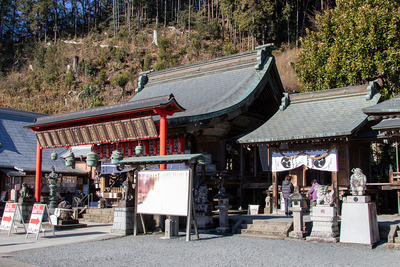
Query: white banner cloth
column 328, row 163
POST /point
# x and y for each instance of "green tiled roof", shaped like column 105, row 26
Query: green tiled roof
column 321, row 114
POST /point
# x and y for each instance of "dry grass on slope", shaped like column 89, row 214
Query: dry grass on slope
column 286, row 72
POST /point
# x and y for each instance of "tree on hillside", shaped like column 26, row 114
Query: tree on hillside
column 356, row 42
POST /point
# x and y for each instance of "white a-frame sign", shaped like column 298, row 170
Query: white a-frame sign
column 7, row 221
column 35, row 223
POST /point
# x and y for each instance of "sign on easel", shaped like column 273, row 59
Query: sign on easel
column 35, row 223
column 7, row 220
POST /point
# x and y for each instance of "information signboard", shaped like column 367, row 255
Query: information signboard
column 35, row 222
column 163, row 192
column 7, row 220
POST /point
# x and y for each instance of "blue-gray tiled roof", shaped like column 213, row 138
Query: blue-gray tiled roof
column 385, row 107
column 208, row 92
column 18, row 144
column 321, row 114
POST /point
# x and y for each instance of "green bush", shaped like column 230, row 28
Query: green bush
column 228, row 49
column 69, row 78
column 51, row 78
column 212, row 49
column 118, row 54
column 121, row 79
column 159, row 65
column 102, row 76
column 147, row 62
column 163, row 43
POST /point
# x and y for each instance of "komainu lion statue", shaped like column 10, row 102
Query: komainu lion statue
column 358, row 182
column 324, row 198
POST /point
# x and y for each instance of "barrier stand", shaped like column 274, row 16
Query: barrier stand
column 7, row 221
column 35, row 223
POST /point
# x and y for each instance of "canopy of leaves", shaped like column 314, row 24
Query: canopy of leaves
column 356, row 42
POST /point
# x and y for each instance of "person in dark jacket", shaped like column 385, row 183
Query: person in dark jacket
column 287, row 190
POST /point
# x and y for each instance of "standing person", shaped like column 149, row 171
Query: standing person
column 287, row 190
column 313, row 192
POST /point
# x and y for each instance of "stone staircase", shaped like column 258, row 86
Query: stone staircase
column 98, row 215
column 272, row 229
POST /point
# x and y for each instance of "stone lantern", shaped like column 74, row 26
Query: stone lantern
column 297, row 208
column 223, row 207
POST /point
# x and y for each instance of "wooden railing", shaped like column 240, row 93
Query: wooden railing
column 394, row 177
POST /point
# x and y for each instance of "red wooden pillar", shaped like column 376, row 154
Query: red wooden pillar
column 163, row 137
column 38, row 180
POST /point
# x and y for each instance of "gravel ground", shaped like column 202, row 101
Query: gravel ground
column 209, row 250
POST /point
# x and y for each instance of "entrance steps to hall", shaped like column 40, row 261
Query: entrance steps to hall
column 98, row 215
column 271, row 229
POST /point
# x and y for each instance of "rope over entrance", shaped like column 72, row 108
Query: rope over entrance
column 308, row 156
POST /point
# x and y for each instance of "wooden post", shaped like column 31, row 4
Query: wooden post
column 255, row 161
column 274, row 192
column 38, row 179
column 335, row 187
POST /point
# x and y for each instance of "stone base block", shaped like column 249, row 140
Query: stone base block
column 359, row 224
column 223, row 230
column 204, row 222
column 123, row 221
column 395, row 246
column 322, row 239
column 358, row 199
column 298, row 234
column 324, row 234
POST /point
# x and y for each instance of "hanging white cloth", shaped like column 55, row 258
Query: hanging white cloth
column 284, row 161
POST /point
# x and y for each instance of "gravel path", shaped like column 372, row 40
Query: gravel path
column 210, row 250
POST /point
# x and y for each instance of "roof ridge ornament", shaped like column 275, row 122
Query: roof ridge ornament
column 263, row 52
column 372, row 89
column 143, row 80
column 284, row 101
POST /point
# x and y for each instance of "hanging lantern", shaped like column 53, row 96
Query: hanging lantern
column 138, row 150
column 116, row 156
column 70, row 160
column 53, row 156
column 92, row 159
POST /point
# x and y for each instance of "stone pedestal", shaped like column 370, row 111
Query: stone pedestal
column 204, row 216
column 298, row 231
column 26, row 207
column 123, row 220
column 359, row 223
column 325, row 225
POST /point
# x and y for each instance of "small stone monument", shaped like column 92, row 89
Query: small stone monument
column 203, row 209
column 359, row 223
column 325, row 220
column 268, row 205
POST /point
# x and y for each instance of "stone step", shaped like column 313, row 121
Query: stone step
column 397, row 240
column 272, row 227
column 262, row 233
column 262, row 236
column 100, row 211
column 97, row 221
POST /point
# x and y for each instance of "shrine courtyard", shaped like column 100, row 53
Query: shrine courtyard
column 96, row 246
